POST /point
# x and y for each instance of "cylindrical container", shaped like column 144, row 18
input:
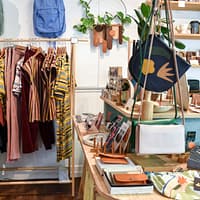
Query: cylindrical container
column 194, row 27
column 147, row 110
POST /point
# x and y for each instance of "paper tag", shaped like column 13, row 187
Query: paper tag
column 181, row 3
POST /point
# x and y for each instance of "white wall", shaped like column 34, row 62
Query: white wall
column 91, row 65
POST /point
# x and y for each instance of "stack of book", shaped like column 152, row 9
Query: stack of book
column 127, row 185
column 124, row 178
column 126, row 166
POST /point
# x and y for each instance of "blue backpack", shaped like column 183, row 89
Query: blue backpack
column 49, row 18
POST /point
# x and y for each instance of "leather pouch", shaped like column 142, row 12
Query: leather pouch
column 110, row 155
column 130, row 178
column 109, row 160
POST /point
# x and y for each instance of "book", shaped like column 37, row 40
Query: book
column 130, row 166
column 116, row 188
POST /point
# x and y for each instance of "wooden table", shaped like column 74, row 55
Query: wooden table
column 92, row 182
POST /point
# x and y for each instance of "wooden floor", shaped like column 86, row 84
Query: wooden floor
column 39, row 192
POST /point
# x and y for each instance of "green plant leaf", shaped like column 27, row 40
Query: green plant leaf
column 179, row 44
column 139, row 16
column 100, row 20
column 145, row 10
column 125, row 38
column 120, row 15
column 128, row 20
column 164, row 30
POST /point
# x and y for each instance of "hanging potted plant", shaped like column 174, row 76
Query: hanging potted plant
column 103, row 27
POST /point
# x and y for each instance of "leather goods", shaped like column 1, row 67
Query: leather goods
column 109, row 160
column 110, row 155
column 130, row 178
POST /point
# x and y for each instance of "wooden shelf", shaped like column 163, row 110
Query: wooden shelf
column 188, row 36
column 161, row 115
column 190, row 6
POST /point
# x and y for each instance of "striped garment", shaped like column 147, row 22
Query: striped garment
column 63, row 108
column 48, row 74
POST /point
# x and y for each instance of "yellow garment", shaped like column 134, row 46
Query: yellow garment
column 63, row 108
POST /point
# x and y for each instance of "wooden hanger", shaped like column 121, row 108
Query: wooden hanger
column 23, row 48
column 2, row 53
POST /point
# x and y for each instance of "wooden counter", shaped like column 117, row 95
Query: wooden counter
column 93, row 184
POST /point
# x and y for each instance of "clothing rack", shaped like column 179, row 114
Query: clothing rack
column 71, row 163
column 72, row 40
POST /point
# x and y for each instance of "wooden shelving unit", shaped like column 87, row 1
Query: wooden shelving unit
column 189, row 6
column 188, row 36
column 192, row 6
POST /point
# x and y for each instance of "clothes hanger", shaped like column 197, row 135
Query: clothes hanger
column 20, row 47
column 2, row 53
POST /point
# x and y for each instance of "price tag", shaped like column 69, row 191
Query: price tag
column 181, row 3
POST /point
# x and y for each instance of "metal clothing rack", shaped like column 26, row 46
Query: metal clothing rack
column 71, row 163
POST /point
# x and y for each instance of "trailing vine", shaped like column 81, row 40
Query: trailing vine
column 89, row 20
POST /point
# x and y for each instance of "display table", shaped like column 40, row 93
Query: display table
column 92, row 182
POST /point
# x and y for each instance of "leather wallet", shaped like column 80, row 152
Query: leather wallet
column 130, row 178
column 110, row 155
column 109, row 160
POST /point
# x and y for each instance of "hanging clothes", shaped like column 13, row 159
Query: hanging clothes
column 2, row 89
column 3, row 128
column 12, row 56
column 33, row 68
column 48, row 74
column 33, row 94
column 36, row 95
column 29, row 130
column 63, row 107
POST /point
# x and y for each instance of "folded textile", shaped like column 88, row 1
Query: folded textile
column 176, row 185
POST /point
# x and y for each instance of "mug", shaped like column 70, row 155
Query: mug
column 194, row 27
